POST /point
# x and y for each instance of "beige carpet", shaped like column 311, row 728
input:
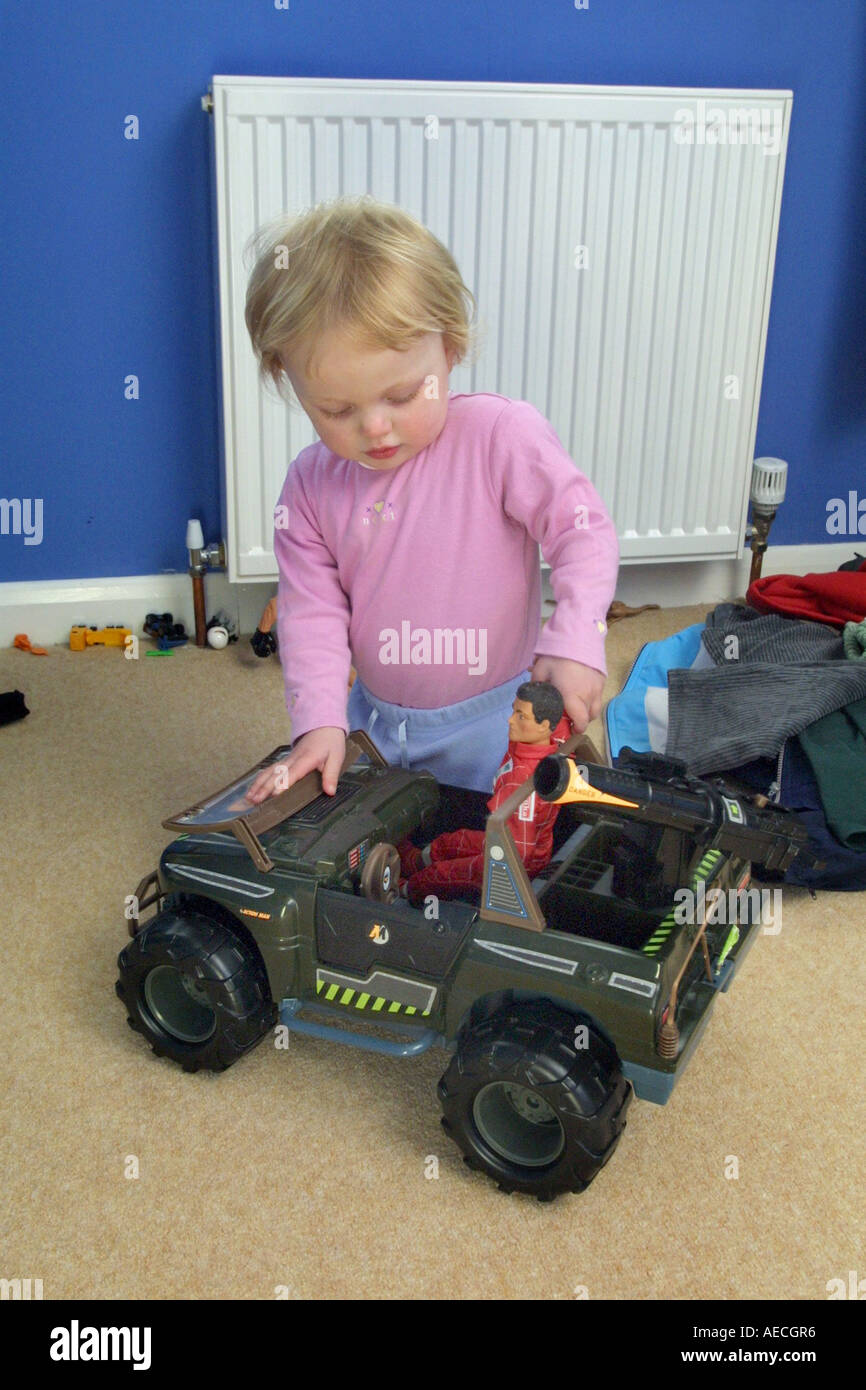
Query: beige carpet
column 305, row 1169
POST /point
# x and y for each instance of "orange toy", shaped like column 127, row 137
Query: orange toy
column 22, row 641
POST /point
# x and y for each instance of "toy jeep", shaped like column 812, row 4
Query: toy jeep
column 558, row 997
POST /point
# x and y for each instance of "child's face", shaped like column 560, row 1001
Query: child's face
column 361, row 401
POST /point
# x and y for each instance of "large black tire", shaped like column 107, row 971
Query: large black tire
column 197, row 992
column 528, row 1107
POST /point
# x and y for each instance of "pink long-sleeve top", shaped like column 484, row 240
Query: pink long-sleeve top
column 428, row 576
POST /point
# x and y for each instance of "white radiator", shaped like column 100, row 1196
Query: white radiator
column 620, row 244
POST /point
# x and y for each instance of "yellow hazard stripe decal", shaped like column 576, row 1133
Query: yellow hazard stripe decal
column 362, row 1000
column 666, row 926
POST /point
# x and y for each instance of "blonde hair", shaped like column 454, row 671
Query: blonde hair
column 353, row 265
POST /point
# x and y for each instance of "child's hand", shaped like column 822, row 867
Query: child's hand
column 320, row 748
column 580, row 687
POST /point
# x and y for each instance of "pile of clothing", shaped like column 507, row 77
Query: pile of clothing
column 773, row 694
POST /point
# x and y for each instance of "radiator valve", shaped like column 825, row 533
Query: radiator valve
column 767, row 494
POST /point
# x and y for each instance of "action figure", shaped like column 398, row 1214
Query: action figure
column 455, row 861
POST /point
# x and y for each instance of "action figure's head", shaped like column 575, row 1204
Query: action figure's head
column 537, row 710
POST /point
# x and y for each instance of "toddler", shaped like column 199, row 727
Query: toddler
column 407, row 537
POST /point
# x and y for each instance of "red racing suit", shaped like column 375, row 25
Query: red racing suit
column 457, row 858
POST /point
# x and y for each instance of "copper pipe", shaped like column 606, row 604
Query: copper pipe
column 198, row 606
column 762, row 520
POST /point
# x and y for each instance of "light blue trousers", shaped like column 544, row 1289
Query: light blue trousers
column 460, row 744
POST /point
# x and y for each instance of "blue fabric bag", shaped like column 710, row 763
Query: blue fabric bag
column 638, row 716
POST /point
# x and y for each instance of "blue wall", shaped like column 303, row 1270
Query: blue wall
column 107, row 242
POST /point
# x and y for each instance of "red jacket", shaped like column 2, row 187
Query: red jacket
column 532, row 823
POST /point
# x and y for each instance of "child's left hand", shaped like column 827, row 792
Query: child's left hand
column 580, row 686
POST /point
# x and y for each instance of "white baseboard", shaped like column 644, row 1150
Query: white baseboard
column 681, row 582
column 47, row 609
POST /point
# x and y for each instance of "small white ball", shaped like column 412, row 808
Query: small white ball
column 218, row 637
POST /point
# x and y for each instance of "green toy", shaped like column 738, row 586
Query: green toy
column 558, row 998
